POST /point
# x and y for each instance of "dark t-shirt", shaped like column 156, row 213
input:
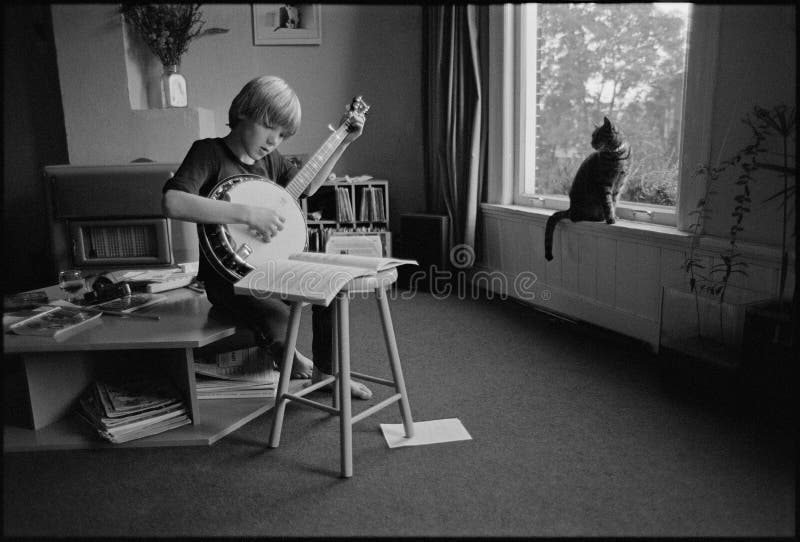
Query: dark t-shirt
column 207, row 163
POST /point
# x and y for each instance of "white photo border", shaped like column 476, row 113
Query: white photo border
column 268, row 30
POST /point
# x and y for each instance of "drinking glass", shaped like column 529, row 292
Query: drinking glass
column 72, row 282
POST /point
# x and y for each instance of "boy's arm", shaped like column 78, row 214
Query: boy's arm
column 355, row 131
column 326, row 170
column 182, row 205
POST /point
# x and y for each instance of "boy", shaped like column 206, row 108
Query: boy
column 264, row 113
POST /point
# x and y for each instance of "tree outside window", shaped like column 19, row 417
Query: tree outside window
column 624, row 61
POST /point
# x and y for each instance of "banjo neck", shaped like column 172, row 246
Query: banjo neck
column 310, row 169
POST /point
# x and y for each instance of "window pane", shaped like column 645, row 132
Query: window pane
column 623, row 61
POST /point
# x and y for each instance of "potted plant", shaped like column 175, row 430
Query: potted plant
column 167, row 30
column 705, row 317
column 714, row 326
column 771, row 324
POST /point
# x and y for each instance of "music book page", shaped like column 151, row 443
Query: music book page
column 365, row 262
column 312, row 277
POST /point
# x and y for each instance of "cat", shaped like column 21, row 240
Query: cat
column 597, row 184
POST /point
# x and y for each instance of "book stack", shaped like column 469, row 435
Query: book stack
column 372, row 205
column 138, row 407
column 344, row 207
column 241, row 373
column 314, row 240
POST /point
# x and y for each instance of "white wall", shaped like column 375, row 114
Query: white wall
column 100, row 125
column 756, row 66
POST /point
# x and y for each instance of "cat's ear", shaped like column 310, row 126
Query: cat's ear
column 606, row 122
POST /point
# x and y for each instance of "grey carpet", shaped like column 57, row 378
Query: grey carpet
column 575, row 433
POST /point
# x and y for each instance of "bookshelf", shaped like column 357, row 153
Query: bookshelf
column 357, row 207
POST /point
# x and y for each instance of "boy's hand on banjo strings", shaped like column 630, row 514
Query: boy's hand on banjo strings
column 265, row 222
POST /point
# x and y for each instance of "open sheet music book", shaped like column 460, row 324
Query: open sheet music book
column 313, row 277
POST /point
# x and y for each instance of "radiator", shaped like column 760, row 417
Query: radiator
column 610, row 276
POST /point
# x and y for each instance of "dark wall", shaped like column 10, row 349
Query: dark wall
column 33, row 136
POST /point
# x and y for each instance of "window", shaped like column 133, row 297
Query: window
column 575, row 63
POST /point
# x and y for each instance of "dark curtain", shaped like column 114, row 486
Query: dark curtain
column 456, row 116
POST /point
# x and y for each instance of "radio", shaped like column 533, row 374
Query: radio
column 109, row 217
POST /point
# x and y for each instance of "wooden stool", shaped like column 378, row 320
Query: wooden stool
column 341, row 368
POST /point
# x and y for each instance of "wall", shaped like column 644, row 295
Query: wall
column 33, row 135
column 756, row 66
column 80, row 49
column 374, row 51
column 101, row 126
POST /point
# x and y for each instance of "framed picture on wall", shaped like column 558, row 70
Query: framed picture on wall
column 287, row 24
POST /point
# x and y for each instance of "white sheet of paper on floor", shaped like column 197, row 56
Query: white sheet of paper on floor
column 431, row 432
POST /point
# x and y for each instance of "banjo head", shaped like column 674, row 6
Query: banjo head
column 234, row 249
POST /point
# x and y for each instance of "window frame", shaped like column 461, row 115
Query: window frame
column 507, row 127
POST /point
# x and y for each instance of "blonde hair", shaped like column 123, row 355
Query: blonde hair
column 268, row 100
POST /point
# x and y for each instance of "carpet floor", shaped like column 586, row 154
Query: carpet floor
column 575, row 432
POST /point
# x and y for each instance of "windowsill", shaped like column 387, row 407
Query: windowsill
column 634, row 230
column 642, row 232
column 635, row 212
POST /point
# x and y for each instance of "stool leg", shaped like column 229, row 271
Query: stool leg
column 394, row 359
column 286, row 373
column 345, row 413
column 335, row 356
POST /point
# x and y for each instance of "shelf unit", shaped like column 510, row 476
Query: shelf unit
column 45, row 377
column 348, row 207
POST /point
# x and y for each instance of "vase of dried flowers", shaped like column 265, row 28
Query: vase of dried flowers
column 174, row 92
column 167, row 30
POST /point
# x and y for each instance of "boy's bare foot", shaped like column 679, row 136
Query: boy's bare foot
column 357, row 389
column 302, row 367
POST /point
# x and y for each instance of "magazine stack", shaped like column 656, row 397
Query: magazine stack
column 246, row 372
column 138, row 407
column 51, row 321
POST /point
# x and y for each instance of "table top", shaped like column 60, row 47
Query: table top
column 184, row 323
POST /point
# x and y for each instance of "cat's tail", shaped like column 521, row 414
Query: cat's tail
column 548, row 232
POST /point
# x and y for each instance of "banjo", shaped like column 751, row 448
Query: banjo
column 234, row 249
